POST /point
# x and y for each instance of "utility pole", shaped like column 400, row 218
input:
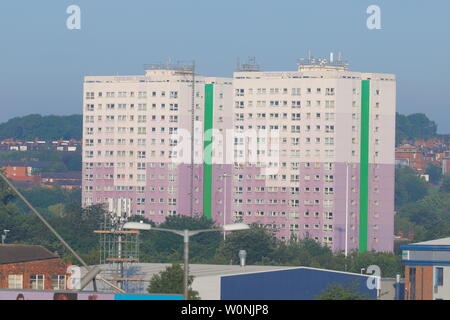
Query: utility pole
column 346, row 212
column 186, row 264
column 225, row 176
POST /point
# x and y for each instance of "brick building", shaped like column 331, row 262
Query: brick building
column 31, row 267
column 427, row 270
column 23, row 171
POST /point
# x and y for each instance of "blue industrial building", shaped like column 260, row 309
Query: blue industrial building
column 291, row 284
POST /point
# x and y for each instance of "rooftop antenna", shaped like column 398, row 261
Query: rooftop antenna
column 251, row 65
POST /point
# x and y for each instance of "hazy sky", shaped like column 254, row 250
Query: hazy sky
column 42, row 63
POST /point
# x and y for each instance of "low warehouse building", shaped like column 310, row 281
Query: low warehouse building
column 215, row 282
column 293, row 284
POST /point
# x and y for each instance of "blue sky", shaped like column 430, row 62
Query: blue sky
column 42, row 63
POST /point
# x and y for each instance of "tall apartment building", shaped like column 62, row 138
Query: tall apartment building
column 336, row 158
column 308, row 152
column 132, row 126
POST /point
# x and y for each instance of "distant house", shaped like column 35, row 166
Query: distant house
column 38, row 145
column 411, row 156
column 23, row 171
column 31, row 267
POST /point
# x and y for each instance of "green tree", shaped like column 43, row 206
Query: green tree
column 171, row 281
column 406, row 227
column 434, row 172
column 6, row 194
column 431, row 213
column 414, row 126
column 45, row 197
column 259, row 243
column 445, row 187
column 167, row 247
column 55, row 161
column 35, row 126
column 409, row 187
column 304, row 252
column 389, row 263
column 338, row 291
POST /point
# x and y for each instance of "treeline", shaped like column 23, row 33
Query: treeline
column 76, row 225
column 57, row 161
column 415, row 126
column 423, row 213
column 35, row 126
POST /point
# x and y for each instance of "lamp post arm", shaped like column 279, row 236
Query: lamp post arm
column 178, row 232
column 190, row 232
column 194, row 232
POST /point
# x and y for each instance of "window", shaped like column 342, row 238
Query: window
column 439, row 276
column 328, row 215
column 15, row 281
column 37, row 282
column 295, row 91
column 58, row 282
column 89, row 95
column 330, row 91
column 412, row 283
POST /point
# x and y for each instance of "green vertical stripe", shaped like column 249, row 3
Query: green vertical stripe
column 364, row 166
column 207, row 166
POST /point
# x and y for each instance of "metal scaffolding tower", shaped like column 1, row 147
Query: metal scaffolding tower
column 119, row 250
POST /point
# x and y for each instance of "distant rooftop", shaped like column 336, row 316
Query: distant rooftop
column 16, row 253
column 436, row 242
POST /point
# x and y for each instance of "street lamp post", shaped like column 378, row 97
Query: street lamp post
column 346, row 212
column 225, row 176
column 186, row 234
